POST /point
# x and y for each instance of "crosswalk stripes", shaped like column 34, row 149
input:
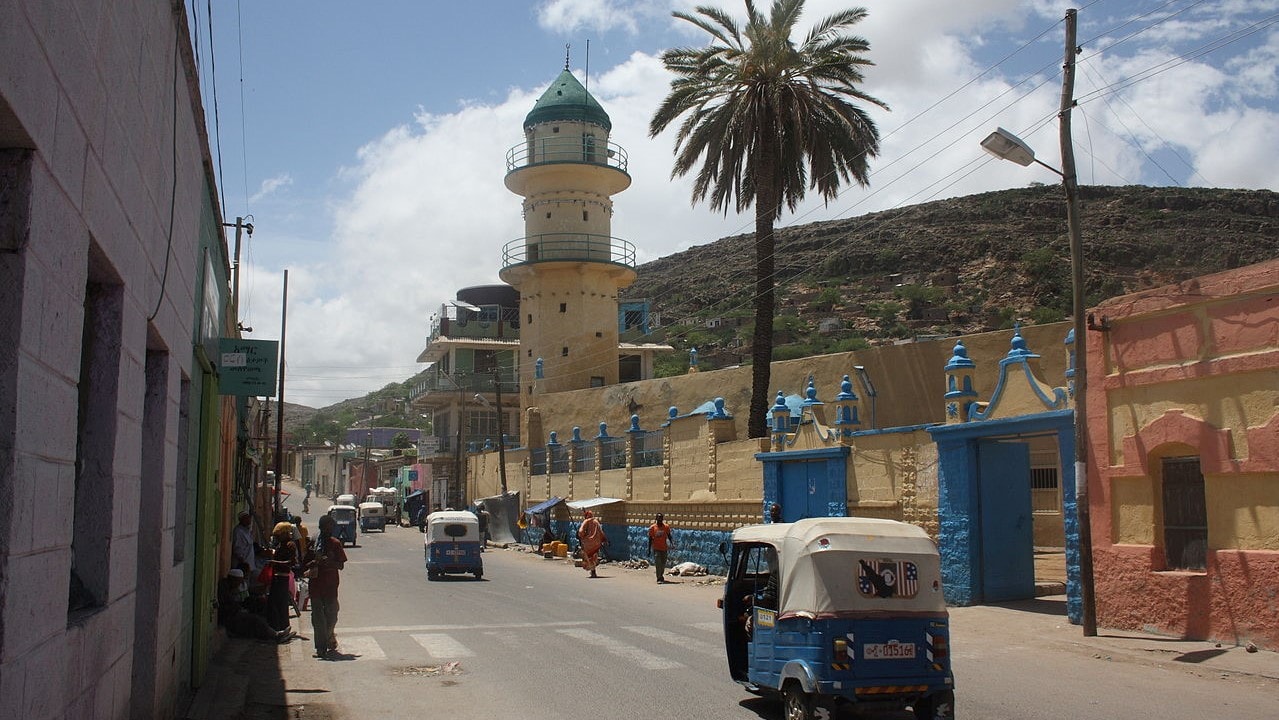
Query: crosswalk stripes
column 639, row 656
column 365, row 647
column 442, row 646
column 676, row 639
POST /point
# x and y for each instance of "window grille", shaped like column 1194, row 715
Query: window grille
column 613, row 454
column 1185, row 515
column 648, row 449
column 537, row 461
column 583, row 457
column 558, row 459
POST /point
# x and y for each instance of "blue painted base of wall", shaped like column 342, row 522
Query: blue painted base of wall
column 629, row 542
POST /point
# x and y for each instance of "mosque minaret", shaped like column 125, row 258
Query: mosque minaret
column 568, row 269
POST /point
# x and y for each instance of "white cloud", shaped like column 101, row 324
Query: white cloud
column 270, row 185
column 567, row 16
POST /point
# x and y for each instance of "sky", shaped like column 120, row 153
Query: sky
column 367, row 141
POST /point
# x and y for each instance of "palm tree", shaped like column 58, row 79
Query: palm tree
column 765, row 121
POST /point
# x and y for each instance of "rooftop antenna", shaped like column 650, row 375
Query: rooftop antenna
column 588, row 66
column 566, row 49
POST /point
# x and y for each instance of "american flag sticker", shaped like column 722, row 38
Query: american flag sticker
column 887, row 578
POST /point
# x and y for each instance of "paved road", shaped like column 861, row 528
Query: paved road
column 538, row 639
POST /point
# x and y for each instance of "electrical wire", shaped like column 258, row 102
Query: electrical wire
column 173, row 189
column 244, row 136
column 217, row 124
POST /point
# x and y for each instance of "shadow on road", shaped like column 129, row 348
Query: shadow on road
column 1041, row 605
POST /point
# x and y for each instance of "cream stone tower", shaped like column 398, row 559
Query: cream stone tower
column 568, row 268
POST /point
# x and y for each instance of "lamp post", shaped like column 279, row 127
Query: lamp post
column 1006, row 146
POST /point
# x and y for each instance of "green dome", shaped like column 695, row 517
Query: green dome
column 566, row 99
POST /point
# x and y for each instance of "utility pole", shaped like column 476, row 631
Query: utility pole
column 240, row 227
column 501, row 431
column 279, row 416
column 461, row 421
column 1080, row 328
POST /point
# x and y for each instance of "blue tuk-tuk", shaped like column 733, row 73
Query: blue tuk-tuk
column 832, row 611
column 372, row 517
column 344, row 519
column 453, row 544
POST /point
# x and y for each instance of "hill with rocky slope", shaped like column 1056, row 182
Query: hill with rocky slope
column 956, row 266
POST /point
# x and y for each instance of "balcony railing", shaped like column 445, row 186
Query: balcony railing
column 573, row 247
column 465, row 384
column 570, row 149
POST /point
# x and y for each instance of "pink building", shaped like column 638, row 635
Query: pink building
column 1184, row 481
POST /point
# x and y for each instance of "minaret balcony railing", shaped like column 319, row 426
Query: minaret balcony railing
column 568, row 247
column 545, row 151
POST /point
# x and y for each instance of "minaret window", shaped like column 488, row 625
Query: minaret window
column 586, row 215
column 563, row 307
column 564, row 351
column 530, row 318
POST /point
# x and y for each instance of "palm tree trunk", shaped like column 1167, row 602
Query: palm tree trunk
column 762, row 345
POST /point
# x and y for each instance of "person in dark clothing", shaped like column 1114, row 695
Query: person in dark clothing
column 237, row 619
column 283, row 557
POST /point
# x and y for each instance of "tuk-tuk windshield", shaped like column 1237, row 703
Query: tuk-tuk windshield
column 831, row 566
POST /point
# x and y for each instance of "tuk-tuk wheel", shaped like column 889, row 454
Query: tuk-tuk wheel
column 797, row 703
column 938, row 706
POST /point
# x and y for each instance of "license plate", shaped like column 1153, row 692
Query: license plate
column 891, row 650
column 455, row 553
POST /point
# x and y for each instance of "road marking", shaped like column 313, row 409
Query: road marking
column 463, row 628
column 639, row 656
column 715, row 627
column 363, row 646
column 443, row 647
column 675, row 639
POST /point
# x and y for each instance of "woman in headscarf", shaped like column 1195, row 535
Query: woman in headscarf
column 591, row 537
column 283, row 558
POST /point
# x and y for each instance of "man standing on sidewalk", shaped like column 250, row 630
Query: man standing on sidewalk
column 327, row 558
column 659, row 542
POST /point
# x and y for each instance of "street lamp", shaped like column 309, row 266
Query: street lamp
column 1006, row 146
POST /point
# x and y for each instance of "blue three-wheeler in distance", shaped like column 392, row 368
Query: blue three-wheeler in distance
column 835, row 611
column 453, row 544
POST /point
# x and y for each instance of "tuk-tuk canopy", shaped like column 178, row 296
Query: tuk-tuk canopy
column 455, row 525
column 372, row 508
column 841, row 565
column 343, row 512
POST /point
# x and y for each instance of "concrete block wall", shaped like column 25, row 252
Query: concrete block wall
column 94, row 99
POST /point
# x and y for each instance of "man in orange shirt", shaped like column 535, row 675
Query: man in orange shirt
column 659, row 542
